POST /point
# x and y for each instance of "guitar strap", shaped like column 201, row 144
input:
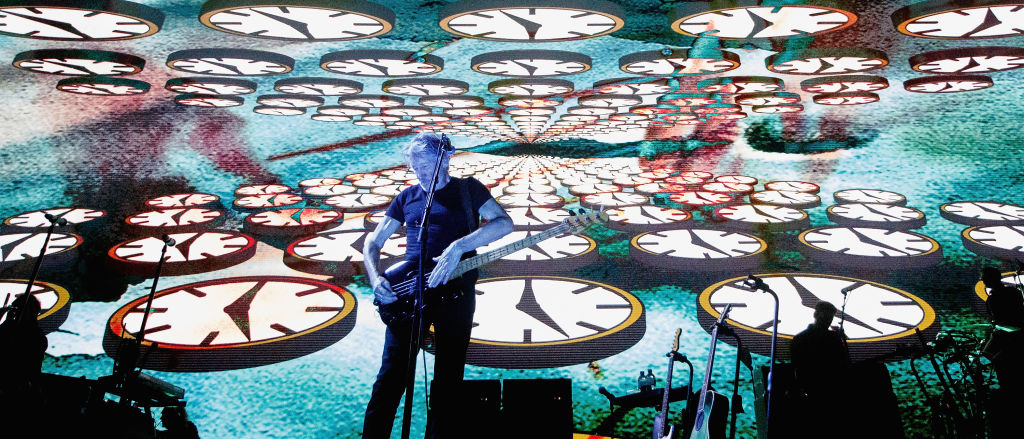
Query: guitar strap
column 467, row 204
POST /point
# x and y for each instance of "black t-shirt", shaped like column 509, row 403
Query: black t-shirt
column 1006, row 306
column 447, row 216
column 819, row 358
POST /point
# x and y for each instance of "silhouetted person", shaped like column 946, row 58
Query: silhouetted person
column 1006, row 351
column 23, row 345
column 176, row 424
column 821, row 363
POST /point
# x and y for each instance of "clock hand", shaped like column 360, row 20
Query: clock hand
column 184, row 245
column 810, row 300
column 383, row 70
column 529, row 69
column 223, row 65
column 530, row 27
column 300, row 27
column 760, row 24
column 707, row 247
column 880, row 212
column 989, row 22
column 239, row 309
column 64, row 26
column 528, row 305
column 1002, row 215
column 5, row 249
column 77, row 68
column 868, row 240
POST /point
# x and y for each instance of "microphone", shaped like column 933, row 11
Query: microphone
column 167, row 240
column 848, row 288
column 754, row 283
column 446, row 143
column 60, row 221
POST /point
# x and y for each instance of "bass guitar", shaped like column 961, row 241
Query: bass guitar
column 661, row 420
column 402, row 276
column 701, row 427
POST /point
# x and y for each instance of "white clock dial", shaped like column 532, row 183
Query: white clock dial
column 1002, row 242
column 370, row 101
column 634, row 86
column 628, row 180
column 425, row 87
column 826, row 61
column 872, row 248
column 262, row 189
column 762, row 217
column 211, row 86
column 960, row 20
column 660, row 188
column 337, row 253
column 530, row 87
column 679, row 62
column 536, row 218
column 74, row 62
column 195, row 199
column 885, row 216
column 79, row 21
column 947, row 84
column 852, row 98
column 700, row 199
column 776, row 98
column 296, row 20
column 358, row 202
column 688, row 99
column 698, row 249
column 741, row 179
column 529, row 188
column 102, row 86
column 748, row 22
column 192, row 252
column 531, row 63
column 969, row 60
column 466, row 111
column 54, row 301
column 318, row 86
column 792, row 186
column 209, row 101
column 341, row 110
column 869, row 196
column 878, row 319
column 36, row 219
column 609, row 100
column 844, row 84
column 267, row 201
column 540, row 322
column 61, row 250
column 613, row 200
column 313, row 182
column 647, row 218
column 593, row 111
column 584, row 189
column 529, row 101
column 558, row 254
column 175, row 220
column 290, row 101
column 727, row 188
column 740, row 84
column 381, row 63
column 528, row 21
column 291, row 222
column 452, row 101
column 530, row 112
column 230, row 62
column 983, row 213
column 531, row 200
column 234, row 323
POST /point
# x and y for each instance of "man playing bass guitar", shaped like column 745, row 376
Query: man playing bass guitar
column 450, row 303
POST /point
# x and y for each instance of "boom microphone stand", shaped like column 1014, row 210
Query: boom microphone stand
column 756, row 283
column 416, row 328
column 20, row 308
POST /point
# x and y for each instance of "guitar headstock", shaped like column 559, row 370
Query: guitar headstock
column 675, row 343
column 580, row 220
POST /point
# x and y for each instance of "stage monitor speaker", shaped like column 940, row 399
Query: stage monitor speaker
column 480, row 405
column 537, row 408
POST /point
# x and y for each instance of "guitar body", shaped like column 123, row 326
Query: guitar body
column 659, row 428
column 702, row 424
column 715, row 418
column 401, row 310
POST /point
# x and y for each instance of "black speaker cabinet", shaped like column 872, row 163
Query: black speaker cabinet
column 480, row 405
column 537, row 408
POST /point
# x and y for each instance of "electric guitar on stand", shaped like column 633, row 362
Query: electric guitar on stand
column 701, row 422
column 661, row 420
column 402, row 276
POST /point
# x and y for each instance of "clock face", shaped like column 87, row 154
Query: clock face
column 36, row 219
column 291, row 222
column 290, row 101
column 660, row 188
column 452, row 101
column 699, row 199
column 541, row 322
column 969, row 60
column 558, row 254
column 741, row 179
column 262, row 189
column 318, row 86
column 878, row 318
column 328, row 191
column 960, row 20
column 234, row 323
column 466, row 111
column 751, row 22
column 530, row 87
column 211, row 86
column 885, row 216
column 312, row 182
column 593, row 111
column 826, row 61
column 762, row 217
column 370, row 101
column 531, row 200
column 612, row 200
column 792, row 186
column 1001, row 242
column 531, row 63
column 298, row 20
column 688, row 99
column 646, row 218
column 54, row 301
column 61, row 251
column 776, row 98
column 844, row 84
column 230, row 62
column 337, row 253
column 202, row 100
column 530, row 112
column 627, row 180
column 858, row 98
column 947, row 84
column 195, row 199
column 869, row 196
column 698, row 249
column 192, row 252
column 102, row 86
column 74, row 62
column 425, row 87
column 593, row 188
column 268, row 201
column 536, row 218
column 740, row 84
column 529, row 101
column 529, row 22
column 340, row 110
column 871, row 248
column 381, row 63
column 529, row 188
column 370, row 181
column 358, row 202
column 727, row 188
column 983, row 213
column 175, row 220
column 679, row 62
column 609, row 100
column 107, row 21
column 634, row 86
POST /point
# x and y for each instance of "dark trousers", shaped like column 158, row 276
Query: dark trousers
column 452, row 321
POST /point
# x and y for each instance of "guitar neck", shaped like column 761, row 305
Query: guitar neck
column 505, row 250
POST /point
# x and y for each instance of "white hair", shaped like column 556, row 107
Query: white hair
column 424, row 144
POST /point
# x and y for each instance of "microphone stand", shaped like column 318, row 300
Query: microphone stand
column 416, row 328
column 20, row 309
column 759, row 284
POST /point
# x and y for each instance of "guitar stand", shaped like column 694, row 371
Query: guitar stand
column 628, row 402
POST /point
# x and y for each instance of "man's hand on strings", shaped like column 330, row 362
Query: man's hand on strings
column 382, row 294
column 446, row 263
